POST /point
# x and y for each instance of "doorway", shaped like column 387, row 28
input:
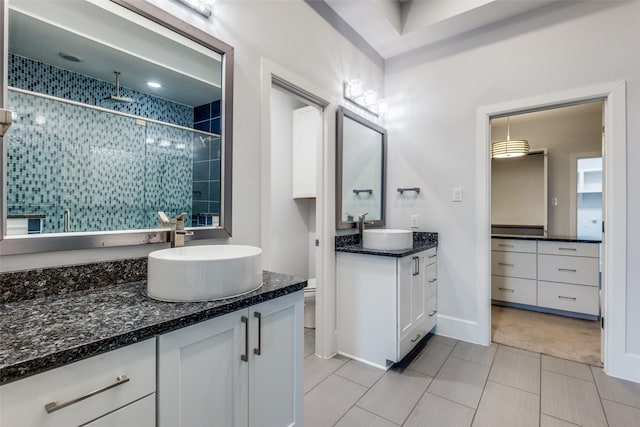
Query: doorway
column 533, row 199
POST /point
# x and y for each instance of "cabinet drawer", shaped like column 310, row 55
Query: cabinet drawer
column 23, row 402
column 562, row 296
column 431, row 281
column 141, row 413
column 513, row 264
column 513, row 245
column 431, row 256
column 568, row 269
column 420, row 330
column 569, row 248
column 513, row 289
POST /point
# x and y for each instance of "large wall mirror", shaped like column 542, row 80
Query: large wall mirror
column 119, row 110
column 360, row 170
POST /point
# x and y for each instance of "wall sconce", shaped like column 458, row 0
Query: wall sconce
column 354, row 92
column 203, row 7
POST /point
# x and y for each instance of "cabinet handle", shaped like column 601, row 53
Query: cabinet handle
column 54, row 406
column 433, row 313
column 570, row 270
column 415, row 265
column 502, row 245
column 245, row 357
column 567, row 249
column 505, row 264
column 258, row 316
column 569, row 298
column 433, row 280
column 506, row 289
column 416, row 338
column 433, row 256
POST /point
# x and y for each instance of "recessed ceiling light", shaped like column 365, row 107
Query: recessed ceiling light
column 154, row 85
column 69, row 57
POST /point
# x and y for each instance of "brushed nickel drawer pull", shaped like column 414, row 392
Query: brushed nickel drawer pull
column 506, row 289
column 570, row 270
column 433, row 313
column 505, row 264
column 416, row 338
column 54, row 406
column 569, row 298
column 567, row 249
column 433, row 256
column 433, row 280
column 258, row 351
column 504, row 246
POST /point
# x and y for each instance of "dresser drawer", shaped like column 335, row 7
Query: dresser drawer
column 568, row 269
column 431, row 281
column 513, row 264
column 591, row 250
column 512, row 289
column 575, row 298
column 23, row 401
column 514, row 245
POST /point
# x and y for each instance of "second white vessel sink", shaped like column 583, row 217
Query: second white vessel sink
column 387, row 239
column 203, row 273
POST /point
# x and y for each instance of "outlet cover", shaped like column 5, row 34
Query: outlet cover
column 414, row 221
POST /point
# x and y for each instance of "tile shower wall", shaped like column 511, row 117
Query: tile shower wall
column 111, row 172
column 206, row 165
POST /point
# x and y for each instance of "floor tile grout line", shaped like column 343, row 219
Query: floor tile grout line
column 380, row 416
column 484, row 388
column 540, row 395
column 323, row 379
column 620, row 403
column 556, row 418
column 599, row 396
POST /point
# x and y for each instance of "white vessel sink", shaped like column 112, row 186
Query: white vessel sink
column 203, row 273
column 387, row 239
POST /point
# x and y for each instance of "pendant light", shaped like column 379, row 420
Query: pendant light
column 509, row 148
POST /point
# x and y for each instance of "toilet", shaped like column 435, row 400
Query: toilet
column 310, row 304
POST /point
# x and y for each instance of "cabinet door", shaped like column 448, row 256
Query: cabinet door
column 406, row 271
column 141, row 413
column 201, row 377
column 276, row 362
column 420, row 289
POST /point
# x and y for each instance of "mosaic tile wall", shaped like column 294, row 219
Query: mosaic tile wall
column 206, row 165
column 109, row 171
column 39, row 77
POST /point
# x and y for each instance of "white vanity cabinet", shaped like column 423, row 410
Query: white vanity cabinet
column 240, row 369
column 114, row 389
column 385, row 305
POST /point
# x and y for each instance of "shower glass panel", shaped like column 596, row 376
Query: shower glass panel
column 97, row 170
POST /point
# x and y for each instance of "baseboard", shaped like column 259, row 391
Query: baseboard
column 461, row 329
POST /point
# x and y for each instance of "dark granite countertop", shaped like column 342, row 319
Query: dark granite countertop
column 421, row 242
column 548, row 238
column 44, row 333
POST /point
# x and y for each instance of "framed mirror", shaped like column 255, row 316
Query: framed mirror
column 360, row 170
column 119, row 111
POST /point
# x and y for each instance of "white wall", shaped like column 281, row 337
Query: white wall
column 289, row 228
column 290, row 34
column 434, row 94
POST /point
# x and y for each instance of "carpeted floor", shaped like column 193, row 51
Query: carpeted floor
column 563, row 337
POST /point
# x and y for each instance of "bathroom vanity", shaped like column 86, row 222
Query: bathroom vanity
column 386, row 300
column 110, row 355
column 560, row 275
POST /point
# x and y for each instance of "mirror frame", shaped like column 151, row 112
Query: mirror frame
column 341, row 113
column 89, row 240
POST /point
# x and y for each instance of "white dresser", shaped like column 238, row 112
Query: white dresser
column 553, row 275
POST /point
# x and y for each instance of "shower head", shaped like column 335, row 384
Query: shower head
column 117, row 97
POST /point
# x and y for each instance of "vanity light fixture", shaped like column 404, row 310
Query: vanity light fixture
column 510, row 147
column 203, row 7
column 355, row 93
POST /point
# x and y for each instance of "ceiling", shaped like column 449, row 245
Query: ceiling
column 393, row 27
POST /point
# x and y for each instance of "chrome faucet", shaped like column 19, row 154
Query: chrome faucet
column 362, row 224
column 178, row 232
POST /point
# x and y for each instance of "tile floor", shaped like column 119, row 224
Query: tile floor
column 454, row 383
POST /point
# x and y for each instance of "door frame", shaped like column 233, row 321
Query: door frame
column 325, row 196
column 617, row 362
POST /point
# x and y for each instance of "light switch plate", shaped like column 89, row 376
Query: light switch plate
column 456, row 194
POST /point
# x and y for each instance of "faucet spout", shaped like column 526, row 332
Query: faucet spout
column 178, row 232
column 362, row 224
